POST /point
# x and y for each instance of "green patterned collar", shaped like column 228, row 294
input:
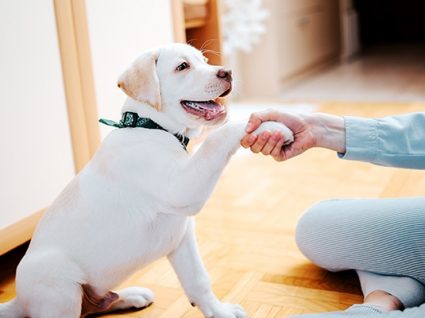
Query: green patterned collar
column 132, row 120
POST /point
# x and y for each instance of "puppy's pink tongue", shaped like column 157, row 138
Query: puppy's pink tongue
column 209, row 115
column 214, row 111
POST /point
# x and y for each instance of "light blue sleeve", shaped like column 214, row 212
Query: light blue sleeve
column 397, row 141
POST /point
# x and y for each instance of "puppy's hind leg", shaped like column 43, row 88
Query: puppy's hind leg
column 61, row 300
column 47, row 286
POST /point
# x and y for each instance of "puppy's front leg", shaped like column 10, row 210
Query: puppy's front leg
column 198, row 175
column 191, row 272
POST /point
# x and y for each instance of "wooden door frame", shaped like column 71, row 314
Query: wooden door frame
column 178, row 21
column 77, row 69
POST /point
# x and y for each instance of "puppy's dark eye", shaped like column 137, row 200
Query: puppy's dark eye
column 182, row 66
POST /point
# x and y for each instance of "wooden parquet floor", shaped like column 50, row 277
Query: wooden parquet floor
column 246, row 232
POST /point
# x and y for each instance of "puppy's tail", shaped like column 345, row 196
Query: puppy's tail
column 11, row 310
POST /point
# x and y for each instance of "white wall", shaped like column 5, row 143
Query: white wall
column 36, row 158
column 119, row 31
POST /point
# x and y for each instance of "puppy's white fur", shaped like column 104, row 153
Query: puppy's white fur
column 133, row 202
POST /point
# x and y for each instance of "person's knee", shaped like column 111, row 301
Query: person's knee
column 311, row 233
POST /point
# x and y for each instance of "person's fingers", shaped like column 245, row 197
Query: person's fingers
column 271, row 143
column 248, row 140
column 261, row 141
column 277, row 152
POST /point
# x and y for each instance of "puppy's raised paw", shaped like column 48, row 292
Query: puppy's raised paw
column 273, row 126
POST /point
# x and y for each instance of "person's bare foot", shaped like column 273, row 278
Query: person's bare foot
column 383, row 299
column 376, row 304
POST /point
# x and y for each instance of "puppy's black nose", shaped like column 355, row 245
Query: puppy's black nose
column 225, row 74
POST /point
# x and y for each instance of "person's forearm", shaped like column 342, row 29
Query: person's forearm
column 329, row 131
column 396, row 141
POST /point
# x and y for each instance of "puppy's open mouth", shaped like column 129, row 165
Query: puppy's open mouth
column 209, row 110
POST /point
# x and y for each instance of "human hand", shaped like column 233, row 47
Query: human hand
column 310, row 130
column 272, row 143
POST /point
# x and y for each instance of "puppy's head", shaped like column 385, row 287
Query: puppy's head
column 177, row 81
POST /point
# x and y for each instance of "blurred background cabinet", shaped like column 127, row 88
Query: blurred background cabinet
column 302, row 36
column 198, row 22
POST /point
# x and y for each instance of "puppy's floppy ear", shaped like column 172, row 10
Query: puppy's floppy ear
column 140, row 80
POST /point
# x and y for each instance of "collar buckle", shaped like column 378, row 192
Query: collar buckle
column 129, row 119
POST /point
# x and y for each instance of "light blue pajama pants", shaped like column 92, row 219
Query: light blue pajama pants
column 382, row 239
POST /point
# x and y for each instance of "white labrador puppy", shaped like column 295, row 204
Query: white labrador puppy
column 135, row 200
